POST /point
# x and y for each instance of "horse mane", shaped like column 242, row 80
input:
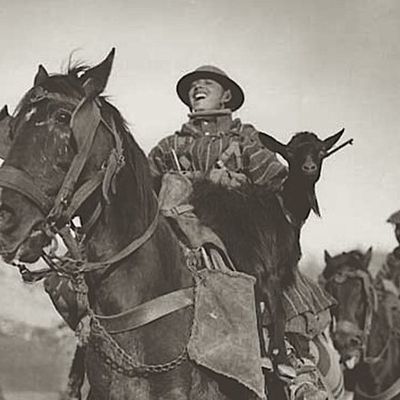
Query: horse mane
column 135, row 158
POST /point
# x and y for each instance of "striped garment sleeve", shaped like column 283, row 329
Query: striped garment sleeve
column 158, row 156
column 263, row 166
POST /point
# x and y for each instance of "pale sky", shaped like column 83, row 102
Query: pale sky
column 316, row 65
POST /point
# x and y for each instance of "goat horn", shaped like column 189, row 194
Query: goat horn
column 350, row 141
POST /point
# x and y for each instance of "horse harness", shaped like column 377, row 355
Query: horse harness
column 85, row 121
column 372, row 306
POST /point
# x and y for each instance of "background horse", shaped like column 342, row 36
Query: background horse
column 367, row 328
column 72, row 154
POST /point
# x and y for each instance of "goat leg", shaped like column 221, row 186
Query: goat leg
column 263, row 349
column 272, row 295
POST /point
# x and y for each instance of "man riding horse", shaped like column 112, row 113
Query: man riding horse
column 224, row 150
column 389, row 274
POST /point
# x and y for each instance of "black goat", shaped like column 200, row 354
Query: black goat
column 261, row 228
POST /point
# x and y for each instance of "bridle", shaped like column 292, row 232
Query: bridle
column 371, row 297
column 372, row 302
column 85, row 123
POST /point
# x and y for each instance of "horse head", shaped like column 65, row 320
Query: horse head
column 347, row 278
column 57, row 139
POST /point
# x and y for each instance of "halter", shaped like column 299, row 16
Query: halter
column 85, row 122
column 371, row 307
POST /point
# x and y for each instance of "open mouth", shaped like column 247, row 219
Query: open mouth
column 200, row 96
column 30, row 249
column 351, row 360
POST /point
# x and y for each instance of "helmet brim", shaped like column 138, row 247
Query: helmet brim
column 184, row 84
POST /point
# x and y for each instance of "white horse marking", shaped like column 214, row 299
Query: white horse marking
column 30, row 113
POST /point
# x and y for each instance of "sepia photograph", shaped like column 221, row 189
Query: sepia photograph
column 199, row 200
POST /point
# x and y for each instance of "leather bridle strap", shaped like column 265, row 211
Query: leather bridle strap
column 90, row 266
column 388, row 394
column 147, row 312
column 19, row 181
column 84, row 123
column 83, row 193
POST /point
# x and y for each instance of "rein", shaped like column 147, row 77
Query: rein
column 394, row 389
column 85, row 122
column 388, row 394
column 371, row 307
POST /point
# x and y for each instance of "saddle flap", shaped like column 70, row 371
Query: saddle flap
column 224, row 335
column 176, row 189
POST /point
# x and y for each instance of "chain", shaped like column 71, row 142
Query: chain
column 122, row 362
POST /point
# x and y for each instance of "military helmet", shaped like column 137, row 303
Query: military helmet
column 216, row 74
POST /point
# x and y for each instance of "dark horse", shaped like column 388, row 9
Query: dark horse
column 367, row 328
column 72, row 154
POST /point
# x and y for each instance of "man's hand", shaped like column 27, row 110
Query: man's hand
column 225, row 177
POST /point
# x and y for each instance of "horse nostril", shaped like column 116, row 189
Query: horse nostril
column 354, row 341
column 6, row 217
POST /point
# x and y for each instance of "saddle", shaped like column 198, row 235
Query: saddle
column 224, row 336
column 174, row 197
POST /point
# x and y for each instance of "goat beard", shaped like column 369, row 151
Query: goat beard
column 312, row 199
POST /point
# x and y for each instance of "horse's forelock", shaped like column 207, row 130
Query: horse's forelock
column 352, row 259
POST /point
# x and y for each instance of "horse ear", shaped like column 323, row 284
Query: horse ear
column 367, row 258
column 273, row 145
column 4, row 112
column 40, row 76
column 327, row 256
column 95, row 79
column 5, row 141
column 331, row 140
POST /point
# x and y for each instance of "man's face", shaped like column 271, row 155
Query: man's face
column 207, row 94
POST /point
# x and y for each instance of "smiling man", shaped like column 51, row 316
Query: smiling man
column 212, row 142
column 215, row 146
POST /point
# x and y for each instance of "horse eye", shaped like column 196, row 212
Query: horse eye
column 322, row 154
column 63, row 117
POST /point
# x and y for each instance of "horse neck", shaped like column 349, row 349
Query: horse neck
column 296, row 197
column 378, row 376
column 139, row 277
column 128, row 215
